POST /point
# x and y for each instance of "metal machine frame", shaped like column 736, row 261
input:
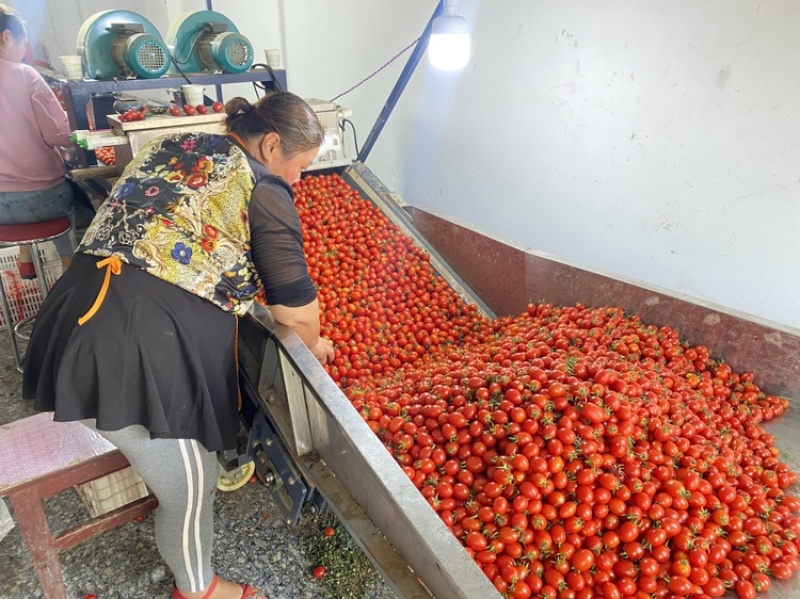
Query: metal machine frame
column 310, row 446
column 78, row 94
column 344, row 462
column 402, row 81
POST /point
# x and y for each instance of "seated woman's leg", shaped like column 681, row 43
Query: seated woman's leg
column 22, row 208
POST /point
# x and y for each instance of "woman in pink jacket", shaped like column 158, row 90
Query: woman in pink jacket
column 32, row 184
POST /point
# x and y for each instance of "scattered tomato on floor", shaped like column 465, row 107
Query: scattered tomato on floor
column 348, row 574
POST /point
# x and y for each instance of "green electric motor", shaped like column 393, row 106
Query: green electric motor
column 122, row 44
column 208, row 42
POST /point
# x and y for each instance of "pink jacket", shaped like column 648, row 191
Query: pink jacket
column 32, row 124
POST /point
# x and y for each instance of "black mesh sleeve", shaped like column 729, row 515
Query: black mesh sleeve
column 277, row 246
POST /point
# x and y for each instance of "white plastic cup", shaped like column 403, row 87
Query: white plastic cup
column 273, row 57
column 72, row 66
column 193, row 94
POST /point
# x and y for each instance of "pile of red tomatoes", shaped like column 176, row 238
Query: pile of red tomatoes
column 107, row 155
column 575, row 452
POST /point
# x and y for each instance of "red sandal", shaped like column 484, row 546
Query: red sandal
column 248, row 592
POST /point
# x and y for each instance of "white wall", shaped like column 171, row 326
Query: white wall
column 648, row 139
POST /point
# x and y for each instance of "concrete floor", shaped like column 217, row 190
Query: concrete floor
column 252, row 543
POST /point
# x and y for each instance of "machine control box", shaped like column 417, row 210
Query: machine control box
column 332, row 152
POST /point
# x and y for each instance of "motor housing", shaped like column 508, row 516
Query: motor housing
column 207, row 41
column 122, row 44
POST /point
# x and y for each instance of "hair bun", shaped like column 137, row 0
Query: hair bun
column 237, row 107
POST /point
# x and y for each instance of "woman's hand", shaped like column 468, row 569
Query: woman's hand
column 304, row 320
column 323, row 351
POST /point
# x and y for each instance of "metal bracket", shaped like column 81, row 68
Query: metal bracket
column 288, row 486
column 405, row 76
column 281, row 393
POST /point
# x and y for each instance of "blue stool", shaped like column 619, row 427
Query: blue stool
column 32, row 235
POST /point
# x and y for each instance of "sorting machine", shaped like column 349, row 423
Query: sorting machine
column 311, row 448
column 313, row 451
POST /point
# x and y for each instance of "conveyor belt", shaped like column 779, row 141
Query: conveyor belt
column 343, row 459
column 359, row 177
column 338, row 454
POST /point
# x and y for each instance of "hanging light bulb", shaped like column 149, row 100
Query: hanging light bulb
column 446, row 38
column 449, row 45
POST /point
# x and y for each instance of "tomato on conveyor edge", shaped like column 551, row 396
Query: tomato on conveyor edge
column 574, row 451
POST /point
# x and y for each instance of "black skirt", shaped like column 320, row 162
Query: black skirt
column 153, row 354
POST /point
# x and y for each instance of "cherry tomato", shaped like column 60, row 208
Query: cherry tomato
column 745, row 589
column 582, row 560
column 131, row 115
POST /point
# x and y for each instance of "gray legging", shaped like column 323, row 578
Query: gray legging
column 183, row 476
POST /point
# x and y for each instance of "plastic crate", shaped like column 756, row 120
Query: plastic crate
column 24, row 296
column 112, row 491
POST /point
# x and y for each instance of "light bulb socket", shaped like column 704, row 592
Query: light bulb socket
column 449, row 25
column 450, row 7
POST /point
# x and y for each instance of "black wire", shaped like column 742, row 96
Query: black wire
column 191, row 50
column 353, row 127
column 180, row 71
column 271, row 72
column 256, row 85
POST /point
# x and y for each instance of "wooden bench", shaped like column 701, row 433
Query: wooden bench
column 40, row 458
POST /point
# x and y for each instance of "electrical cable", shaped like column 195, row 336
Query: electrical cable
column 180, row 70
column 355, row 136
column 191, row 50
column 271, row 72
column 368, row 77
